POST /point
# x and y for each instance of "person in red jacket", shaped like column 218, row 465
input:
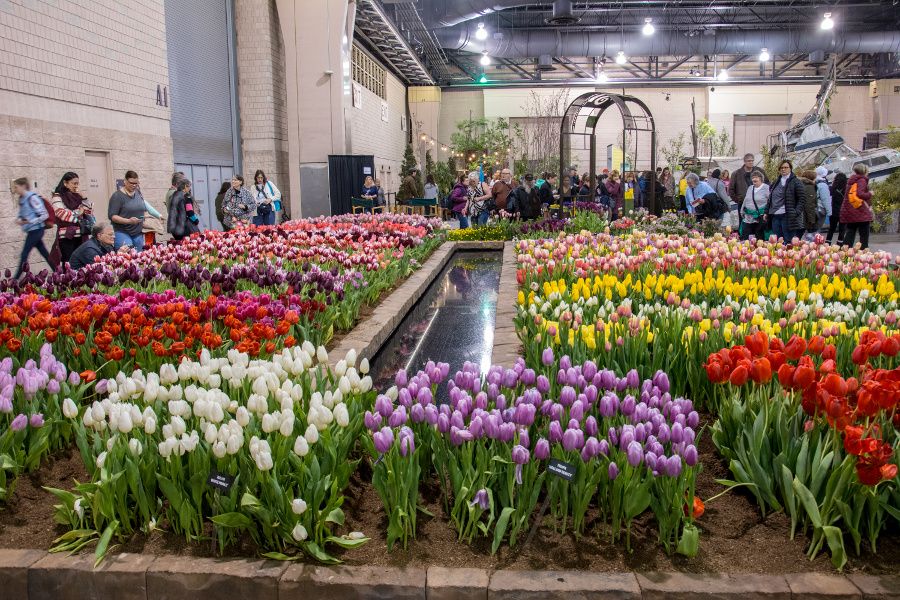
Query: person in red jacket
column 856, row 210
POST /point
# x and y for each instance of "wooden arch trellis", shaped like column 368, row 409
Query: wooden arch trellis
column 580, row 120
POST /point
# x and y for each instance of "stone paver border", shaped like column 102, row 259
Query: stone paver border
column 37, row 575
column 507, row 347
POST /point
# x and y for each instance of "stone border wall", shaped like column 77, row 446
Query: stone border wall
column 507, row 347
column 37, row 575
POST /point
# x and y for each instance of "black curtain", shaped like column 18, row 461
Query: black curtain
column 346, row 174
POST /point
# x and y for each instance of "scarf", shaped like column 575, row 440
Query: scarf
column 70, row 199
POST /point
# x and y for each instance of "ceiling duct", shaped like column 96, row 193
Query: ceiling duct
column 562, row 14
column 515, row 43
column 447, row 14
column 817, row 58
column 545, row 63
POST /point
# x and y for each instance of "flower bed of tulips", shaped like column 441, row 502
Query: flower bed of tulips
column 629, row 444
column 281, row 430
column 678, row 303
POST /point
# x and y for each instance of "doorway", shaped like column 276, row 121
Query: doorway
column 99, row 182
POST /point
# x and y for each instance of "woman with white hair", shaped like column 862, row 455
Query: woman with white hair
column 478, row 207
column 823, row 198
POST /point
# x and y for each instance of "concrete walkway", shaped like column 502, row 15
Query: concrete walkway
column 889, row 242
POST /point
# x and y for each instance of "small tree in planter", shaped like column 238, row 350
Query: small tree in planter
column 886, row 203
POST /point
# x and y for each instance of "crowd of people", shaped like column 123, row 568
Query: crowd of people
column 79, row 238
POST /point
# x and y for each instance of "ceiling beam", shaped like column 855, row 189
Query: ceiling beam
column 790, row 65
column 461, row 65
column 639, row 68
column 738, row 61
column 675, row 66
column 571, row 66
column 516, row 69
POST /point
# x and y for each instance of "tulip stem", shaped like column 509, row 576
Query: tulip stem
column 728, row 489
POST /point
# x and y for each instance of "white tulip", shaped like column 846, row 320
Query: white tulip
column 70, row 411
column 101, row 459
column 219, row 450
column 88, row 418
column 137, row 417
column 298, row 506
column 297, row 392
column 176, row 392
column 341, row 416
column 110, row 443
column 356, row 535
column 125, row 425
column 353, row 377
column 216, row 413
column 190, row 393
column 260, row 387
column 344, row 385
column 242, row 416
column 178, row 426
column 301, row 446
column 287, row 425
column 211, row 434
column 341, row 367
column 264, row 461
column 364, row 366
column 150, row 425
column 392, row 393
column 312, row 434
column 224, row 434
column 111, row 386
column 79, row 509
column 322, row 354
column 97, row 412
column 287, row 405
column 269, row 423
column 234, row 443
column 299, row 533
column 365, row 384
column 134, row 445
column 351, row 357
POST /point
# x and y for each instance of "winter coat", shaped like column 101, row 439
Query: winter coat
column 810, row 202
column 85, row 254
column 668, row 186
column 528, row 202
column 409, row 188
column 863, row 214
column 501, row 191
column 459, row 197
column 32, row 211
column 741, row 181
column 616, row 193
column 823, row 198
column 837, row 199
column 179, row 224
column 238, row 205
column 794, row 202
column 546, row 192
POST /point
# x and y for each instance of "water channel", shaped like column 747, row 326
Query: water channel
column 452, row 322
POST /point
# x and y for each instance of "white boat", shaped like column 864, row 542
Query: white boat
column 811, row 142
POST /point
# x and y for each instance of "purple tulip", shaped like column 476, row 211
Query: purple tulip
column 607, row 409
column 74, row 378
column 524, row 414
column 561, row 378
column 634, row 453
column 677, row 433
column 425, row 396
column 613, row 471
column 476, row 427
column 543, row 384
column 407, row 441
column 589, row 369
column 6, row 406
column 542, row 449
column 591, row 393
column 652, row 460
column 443, row 423
column 661, row 380
column 372, row 421
column 528, row 377
column 591, row 427
column 404, row 396
column 690, row 455
column 604, row 448
column 547, row 357
column 577, row 411
column 627, row 405
column 524, row 440
column 37, row 420
column 556, row 433
column 626, row 437
column 621, row 384
column 481, row 499
column 567, row 396
column 444, row 370
column 607, row 379
column 384, row 406
column 510, row 378
column 431, row 415
column 417, row 413
column 693, row 419
column 492, row 426
column 401, row 378
column 19, row 423
column 689, row 436
column 383, row 439
column 640, row 432
column 460, row 436
column 507, row 432
column 565, row 363
column 613, row 436
column 573, row 439
column 673, row 466
column 520, row 455
column 572, row 377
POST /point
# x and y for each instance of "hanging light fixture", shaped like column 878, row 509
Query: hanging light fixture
column 764, row 55
column 827, row 22
column 481, row 33
column 723, row 75
column 648, row 29
column 621, row 59
column 485, row 59
column 602, row 77
column 483, row 78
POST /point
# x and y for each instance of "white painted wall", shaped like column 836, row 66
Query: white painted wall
column 369, row 134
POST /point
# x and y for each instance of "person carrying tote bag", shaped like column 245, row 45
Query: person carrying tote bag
column 754, row 207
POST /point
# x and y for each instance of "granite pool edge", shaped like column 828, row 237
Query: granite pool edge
column 38, row 575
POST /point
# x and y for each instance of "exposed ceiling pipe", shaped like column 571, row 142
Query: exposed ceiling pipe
column 522, row 44
column 447, row 14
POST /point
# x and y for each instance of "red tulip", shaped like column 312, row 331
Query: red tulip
column 795, row 348
column 739, row 376
column 761, row 371
column 804, row 377
column 816, row 344
column 786, row 376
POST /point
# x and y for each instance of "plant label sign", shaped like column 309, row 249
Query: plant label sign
column 220, row 481
column 562, row 469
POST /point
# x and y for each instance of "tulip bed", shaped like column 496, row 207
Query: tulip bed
column 680, row 303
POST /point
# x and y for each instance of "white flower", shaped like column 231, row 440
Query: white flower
column 101, row 459
column 264, row 461
column 301, row 446
column 341, row 367
column 392, row 393
column 344, row 385
column 298, row 505
column 125, row 424
column 341, row 416
column 259, row 387
column 79, row 510
column 269, row 423
column 134, row 445
column 242, row 416
column 97, row 412
column 322, row 354
column 111, row 442
column 167, row 374
column 287, row 425
column 356, row 535
column 351, row 357
column 364, row 366
column 70, row 411
column 88, row 418
column 211, row 434
column 299, row 532
column 365, row 384
column 312, row 434
column 178, row 426
column 149, row 425
column 234, row 443
column 219, row 450
column 215, row 381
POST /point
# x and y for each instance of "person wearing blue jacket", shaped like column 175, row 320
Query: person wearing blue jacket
column 32, row 215
column 823, row 198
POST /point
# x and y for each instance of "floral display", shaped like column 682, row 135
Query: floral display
column 630, row 445
column 281, row 430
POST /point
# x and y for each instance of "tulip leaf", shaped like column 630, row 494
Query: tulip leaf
column 249, row 499
column 320, row 555
column 233, row 520
column 103, row 544
column 280, row 556
column 689, row 544
column 637, row 500
column 6, row 462
column 836, row 544
column 344, row 542
column 335, row 516
column 809, row 503
column 500, row 528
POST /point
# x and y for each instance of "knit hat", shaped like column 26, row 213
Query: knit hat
column 821, row 172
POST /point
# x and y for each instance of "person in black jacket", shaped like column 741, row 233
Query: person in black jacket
column 546, row 189
column 182, row 220
column 101, row 243
column 528, row 199
column 838, row 188
column 787, row 204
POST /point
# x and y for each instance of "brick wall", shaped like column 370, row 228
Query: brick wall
column 77, row 76
column 262, row 97
column 369, row 134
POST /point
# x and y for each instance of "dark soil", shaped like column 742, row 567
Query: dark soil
column 734, row 537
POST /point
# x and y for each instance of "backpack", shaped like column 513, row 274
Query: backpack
column 50, row 221
column 852, row 197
